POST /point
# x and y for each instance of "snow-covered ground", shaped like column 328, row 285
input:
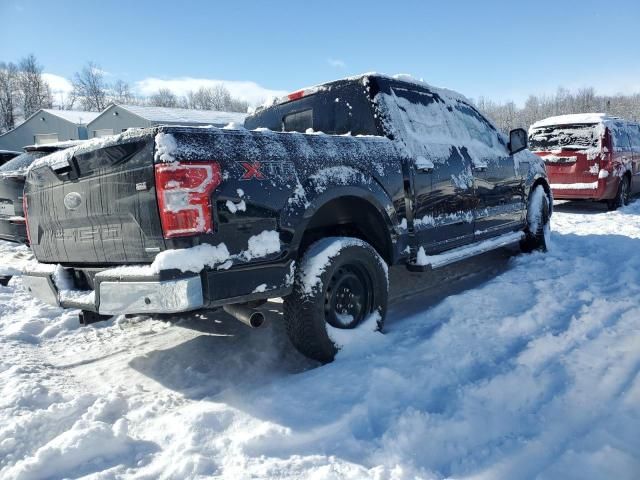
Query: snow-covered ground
column 503, row 367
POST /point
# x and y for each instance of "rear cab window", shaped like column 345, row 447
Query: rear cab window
column 339, row 109
column 298, row 121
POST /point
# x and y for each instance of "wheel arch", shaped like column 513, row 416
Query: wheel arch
column 347, row 211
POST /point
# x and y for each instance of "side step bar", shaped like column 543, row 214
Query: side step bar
column 430, row 262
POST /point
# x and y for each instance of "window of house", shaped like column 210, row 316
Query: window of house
column 45, row 138
column 103, row 132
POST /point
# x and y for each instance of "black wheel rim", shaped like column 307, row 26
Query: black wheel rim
column 348, row 297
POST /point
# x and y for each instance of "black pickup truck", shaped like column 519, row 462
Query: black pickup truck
column 311, row 202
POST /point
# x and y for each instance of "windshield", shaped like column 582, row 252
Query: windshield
column 567, row 137
column 22, row 161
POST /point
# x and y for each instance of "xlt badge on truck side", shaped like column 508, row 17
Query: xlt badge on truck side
column 265, row 170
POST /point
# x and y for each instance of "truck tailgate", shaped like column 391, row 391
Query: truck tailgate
column 100, row 209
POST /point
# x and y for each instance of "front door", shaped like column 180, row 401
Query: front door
column 501, row 197
column 499, row 187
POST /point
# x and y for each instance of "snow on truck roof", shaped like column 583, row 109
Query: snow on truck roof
column 402, row 77
column 573, row 119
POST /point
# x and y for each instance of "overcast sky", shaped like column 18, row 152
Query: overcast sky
column 500, row 50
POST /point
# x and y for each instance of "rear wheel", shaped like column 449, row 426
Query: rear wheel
column 340, row 284
column 538, row 231
column 622, row 196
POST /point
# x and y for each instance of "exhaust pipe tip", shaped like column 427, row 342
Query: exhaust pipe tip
column 256, row 320
column 247, row 315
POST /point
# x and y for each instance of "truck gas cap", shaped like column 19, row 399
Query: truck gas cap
column 72, row 200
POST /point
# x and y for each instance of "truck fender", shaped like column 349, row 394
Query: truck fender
column 331, row 184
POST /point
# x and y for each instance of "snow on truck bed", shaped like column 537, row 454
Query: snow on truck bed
column 504, row 367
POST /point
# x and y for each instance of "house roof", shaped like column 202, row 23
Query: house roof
column 74, row 116
column 184, row 115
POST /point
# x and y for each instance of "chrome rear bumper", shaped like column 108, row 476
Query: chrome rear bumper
column 115, row 297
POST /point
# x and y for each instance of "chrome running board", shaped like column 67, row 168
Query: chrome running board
column 431, row 262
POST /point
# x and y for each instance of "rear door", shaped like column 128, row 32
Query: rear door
column 102, row 209
column 444, row 199
column 622, row 152
column 634, row 136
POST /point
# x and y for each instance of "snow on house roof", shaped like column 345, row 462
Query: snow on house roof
column 572, row 119
column 74, row 116
column 184, row 115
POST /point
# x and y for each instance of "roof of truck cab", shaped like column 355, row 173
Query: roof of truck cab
column 405, row 78
column 575, row 119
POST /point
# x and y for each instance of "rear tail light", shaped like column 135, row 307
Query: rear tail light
column 184, row 197
column 605, row 151
column 26, row 220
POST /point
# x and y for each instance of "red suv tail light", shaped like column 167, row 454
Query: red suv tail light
column 184, row 197
column 26, row 221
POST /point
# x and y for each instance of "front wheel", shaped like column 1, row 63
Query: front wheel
column 341, row 285
column 538, row 231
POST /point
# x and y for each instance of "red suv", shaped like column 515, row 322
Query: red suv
column 589, row 156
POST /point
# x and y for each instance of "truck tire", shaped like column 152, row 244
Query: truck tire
column 538, row 222
column 340, row 282
column 622, row 195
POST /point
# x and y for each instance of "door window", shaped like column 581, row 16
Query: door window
column 433, row 126
column 620, row 137
column 634, row 135
column 422, row 119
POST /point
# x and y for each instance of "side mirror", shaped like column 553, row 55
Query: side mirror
column 517, row 140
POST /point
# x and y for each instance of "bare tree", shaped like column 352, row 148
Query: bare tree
column 34, row 91
column 122, row 93
column 217, row 97
column 507, row 115
column 89, row 88
column 8, row 95
column 164, row 98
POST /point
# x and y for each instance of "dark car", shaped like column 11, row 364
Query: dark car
column 12, row 176
column 332, row 184
column 6, row 155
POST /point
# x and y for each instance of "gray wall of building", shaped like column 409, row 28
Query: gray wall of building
column 40, row 123
column 117, row 119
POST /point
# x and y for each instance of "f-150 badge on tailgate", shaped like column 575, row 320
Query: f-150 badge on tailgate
column 72, row 200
